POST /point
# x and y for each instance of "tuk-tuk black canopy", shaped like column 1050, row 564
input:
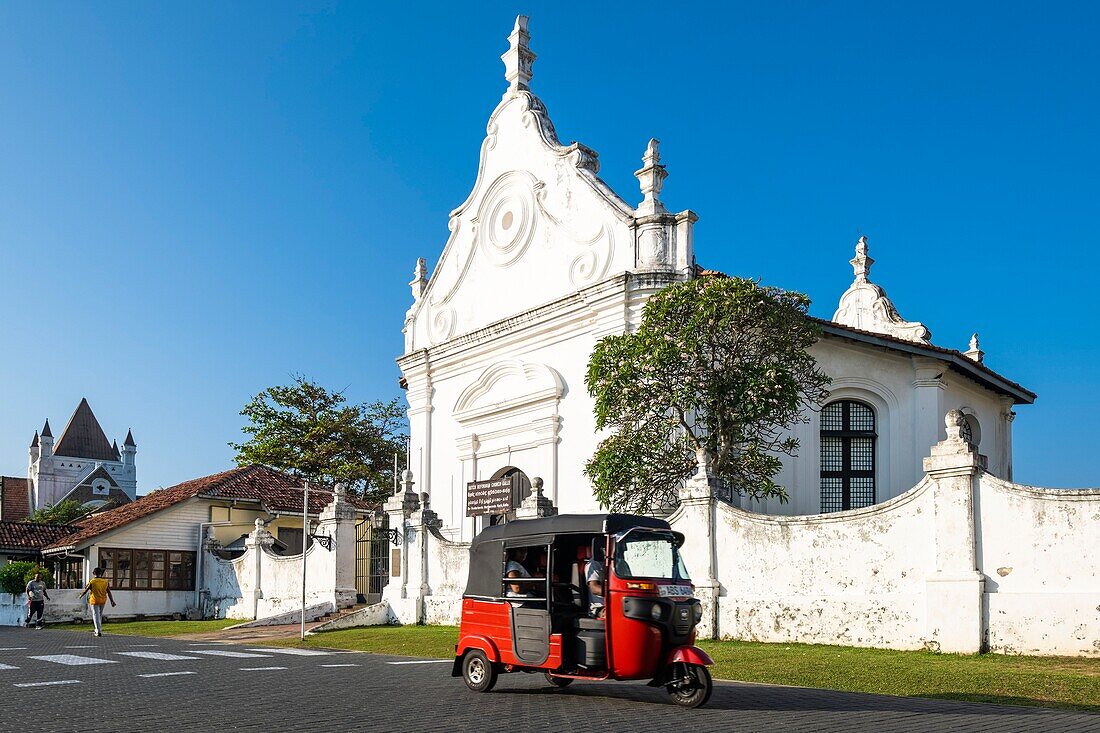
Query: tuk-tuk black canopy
column 487, row 549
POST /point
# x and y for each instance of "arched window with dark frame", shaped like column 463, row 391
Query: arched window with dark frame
column 847, row 456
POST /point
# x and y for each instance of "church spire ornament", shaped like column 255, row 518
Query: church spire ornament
column 651, row 178
column 866, row 306
column 519, row 58
column 975, row 351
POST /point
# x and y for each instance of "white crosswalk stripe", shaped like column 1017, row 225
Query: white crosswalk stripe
column 45, row 684
column 165, row 674
column 8, row 666
column 72, row 659
column 225, row 653
column 298, row 652
column 157, row 655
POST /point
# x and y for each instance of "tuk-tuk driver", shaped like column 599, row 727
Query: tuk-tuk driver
column 593, row 576
column 515, row 569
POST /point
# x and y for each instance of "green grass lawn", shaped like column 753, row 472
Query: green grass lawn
column 152, row 628
column 1059, row 682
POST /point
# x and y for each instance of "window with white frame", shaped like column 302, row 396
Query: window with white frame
column 847, row 456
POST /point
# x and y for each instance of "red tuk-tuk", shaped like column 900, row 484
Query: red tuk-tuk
column 582, row 597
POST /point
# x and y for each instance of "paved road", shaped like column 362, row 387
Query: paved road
column 58, row 681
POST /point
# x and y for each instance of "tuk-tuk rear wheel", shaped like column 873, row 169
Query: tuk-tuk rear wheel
column 691, row 685
column 478, row 672
column 559, row 681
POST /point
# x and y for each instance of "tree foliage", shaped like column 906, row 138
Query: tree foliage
column 717, row 365
column 311, row 432
column 62, row 512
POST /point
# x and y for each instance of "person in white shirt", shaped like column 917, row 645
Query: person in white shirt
column 36, row 599
column 515, row 569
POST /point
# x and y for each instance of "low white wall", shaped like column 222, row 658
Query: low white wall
column 64, row 605
column 854, row 578
column 1038, row 551
column 448, row 569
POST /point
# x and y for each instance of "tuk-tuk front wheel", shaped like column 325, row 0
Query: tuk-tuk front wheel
column 690, row 684
column 478, row 672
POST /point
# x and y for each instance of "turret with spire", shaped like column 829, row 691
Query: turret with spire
column 82, row 455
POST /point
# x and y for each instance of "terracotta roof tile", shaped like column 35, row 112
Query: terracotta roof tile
column 30, row 536
column 15, row 499
column 274, row 490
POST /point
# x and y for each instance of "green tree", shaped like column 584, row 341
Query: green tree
column 311, row 432
column 62, row 512
column 718, row 365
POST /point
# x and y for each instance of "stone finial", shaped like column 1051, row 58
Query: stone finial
column 975, row 351
column 862, row 262
column 953, row 422
column 419, row 283
column 518, row 59
column 536, row 505
column 866, row 306
column 651, row 177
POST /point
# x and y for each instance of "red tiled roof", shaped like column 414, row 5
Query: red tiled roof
column 15, row 499
column 30, row 536
column 274, row 490
column 975, row 370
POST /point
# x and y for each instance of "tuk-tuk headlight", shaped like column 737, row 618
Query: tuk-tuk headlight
column 655, row 612
column 697, row 609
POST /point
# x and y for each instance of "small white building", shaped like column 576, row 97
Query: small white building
column 544, row 259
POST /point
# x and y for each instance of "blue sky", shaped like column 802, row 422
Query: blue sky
column 202, row 199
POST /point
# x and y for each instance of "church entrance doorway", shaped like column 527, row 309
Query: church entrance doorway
column 521, row 489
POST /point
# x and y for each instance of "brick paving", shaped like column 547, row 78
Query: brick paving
column 276, row 691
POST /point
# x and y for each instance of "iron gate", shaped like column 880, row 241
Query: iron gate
column 372, row 560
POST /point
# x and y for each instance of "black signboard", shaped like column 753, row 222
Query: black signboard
column 489, row 497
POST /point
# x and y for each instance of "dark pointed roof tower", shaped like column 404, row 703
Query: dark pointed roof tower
column 46, row 432
column 34, row 443
column 129, row 439
column 84, row 438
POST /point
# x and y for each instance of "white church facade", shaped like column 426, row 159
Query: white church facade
column 903, row 530
column 544, row 260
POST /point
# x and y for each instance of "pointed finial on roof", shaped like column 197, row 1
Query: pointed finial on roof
column 975, row 351
column 862, row 262
column 419, row 283
column 651, row 177
column 34, row 442
column 129, row 439
column 519, row 58
column 46, row 432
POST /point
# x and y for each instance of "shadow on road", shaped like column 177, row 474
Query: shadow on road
column 751, row 697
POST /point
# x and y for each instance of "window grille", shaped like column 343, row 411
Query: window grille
column 847, row 456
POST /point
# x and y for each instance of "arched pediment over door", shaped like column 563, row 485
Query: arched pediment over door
column 508, row 386
column 508, row 416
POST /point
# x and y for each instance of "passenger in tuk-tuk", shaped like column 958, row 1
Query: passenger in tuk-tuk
column 593, row 578
column 516, row 569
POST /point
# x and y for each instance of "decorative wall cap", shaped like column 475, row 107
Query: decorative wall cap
column 866, row 306
column 975, row 352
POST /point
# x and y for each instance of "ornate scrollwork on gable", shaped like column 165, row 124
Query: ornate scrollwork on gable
column 506, row 219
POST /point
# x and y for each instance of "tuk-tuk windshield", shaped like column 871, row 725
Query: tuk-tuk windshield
column 641, row 554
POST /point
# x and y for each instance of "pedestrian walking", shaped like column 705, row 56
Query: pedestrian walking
column 36, row 599
column 98, row 594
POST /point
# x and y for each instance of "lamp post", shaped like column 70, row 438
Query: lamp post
column 305, row 540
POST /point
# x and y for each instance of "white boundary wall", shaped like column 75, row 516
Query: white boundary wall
column 962, row 562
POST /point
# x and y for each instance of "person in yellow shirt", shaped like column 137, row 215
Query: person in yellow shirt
column 98, row 595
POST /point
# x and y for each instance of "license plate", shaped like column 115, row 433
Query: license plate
column 674, row 591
